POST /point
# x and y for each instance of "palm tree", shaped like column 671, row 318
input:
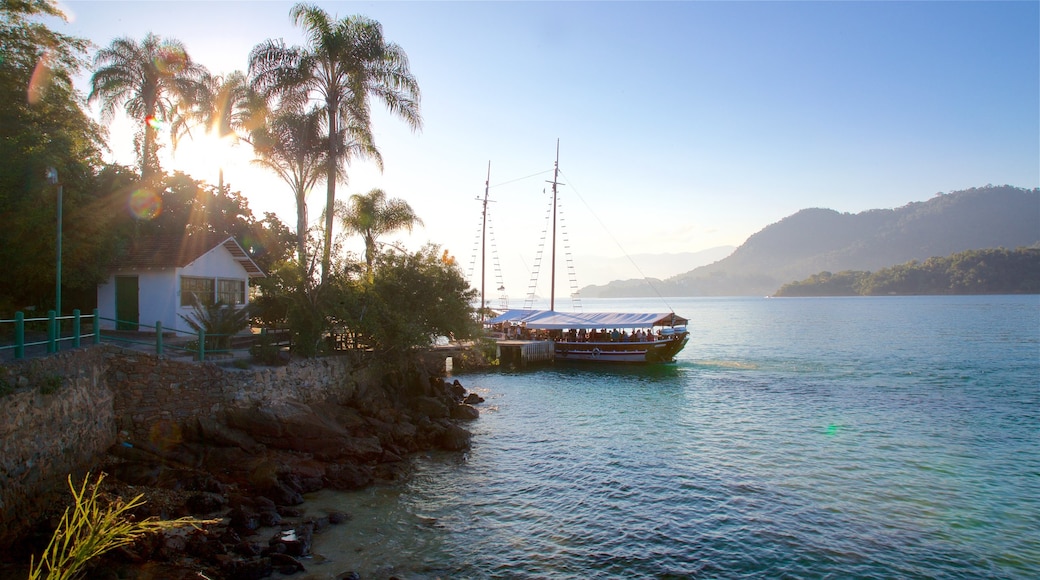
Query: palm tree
column 371, row 215
column 150, row 79
column 290, row 144
column 226, row 106
column 345, row 63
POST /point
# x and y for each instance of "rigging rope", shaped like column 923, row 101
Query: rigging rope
column 616, row 242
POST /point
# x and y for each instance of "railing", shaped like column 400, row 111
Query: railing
column 198, row 344
column 53, row 324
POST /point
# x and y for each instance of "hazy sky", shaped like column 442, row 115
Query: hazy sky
column 682, row 125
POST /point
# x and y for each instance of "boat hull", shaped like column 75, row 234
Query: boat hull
column 653, row 352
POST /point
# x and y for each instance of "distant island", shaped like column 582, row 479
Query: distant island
column 996, row 271
column 816, row 241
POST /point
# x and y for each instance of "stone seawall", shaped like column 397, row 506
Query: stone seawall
column 67, row 409
column 58, row 419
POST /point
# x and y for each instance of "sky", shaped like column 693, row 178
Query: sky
column 681, row 126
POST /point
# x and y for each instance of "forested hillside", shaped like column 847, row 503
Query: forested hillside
column 998, row 271
column 819, row 240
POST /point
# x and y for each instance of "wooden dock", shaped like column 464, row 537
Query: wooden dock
column 520, row 353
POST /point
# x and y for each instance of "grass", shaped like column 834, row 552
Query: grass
column 92, row 526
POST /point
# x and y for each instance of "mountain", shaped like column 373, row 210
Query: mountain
column 819, row 240
column 599, row 268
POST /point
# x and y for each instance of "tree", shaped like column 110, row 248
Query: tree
column 225, row 106
column 372, row 215
column 345, row 63
column 410, row 299
column 151, row 79
column 290, row 145
column 43, row 124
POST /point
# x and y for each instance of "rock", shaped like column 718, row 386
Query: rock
column 473, row 399
column 454, row 438
column 336, row 518
column 347, row 476
column 457, row 390
column 135, row 473
column 205, row 503
column 219, row 434
column 464, row 412
column 349, row 576
column 253, row 569
column 294, row 541
column 286, row 564
column 430, row 407
column 244, row 519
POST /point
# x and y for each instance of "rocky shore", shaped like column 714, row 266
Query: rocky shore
column 249, row 468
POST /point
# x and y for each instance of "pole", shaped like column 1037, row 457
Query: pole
column 552, row 274
column 57, row 277
column 52, row 177
column 483, row 246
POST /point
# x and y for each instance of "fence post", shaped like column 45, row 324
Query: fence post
column 97, row 327
column 75, row 328
column 202, row 345
column 52, row 332
column 19, row 335
column 158, row 337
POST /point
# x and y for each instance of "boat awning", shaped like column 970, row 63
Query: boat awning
column 551, row 320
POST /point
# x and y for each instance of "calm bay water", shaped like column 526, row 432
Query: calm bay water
column 800, row 438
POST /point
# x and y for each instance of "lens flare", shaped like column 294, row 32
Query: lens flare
column 165, row 435
column 154, row 123
column 171, row 60
column 145, row 204
column 41, row 78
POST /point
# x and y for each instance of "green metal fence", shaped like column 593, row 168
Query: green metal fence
column 198, row 344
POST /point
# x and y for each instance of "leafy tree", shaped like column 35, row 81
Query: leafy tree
column 150, row 79
column 411, row 299
column 344, row 64
column 43, row 124
column 371, row 215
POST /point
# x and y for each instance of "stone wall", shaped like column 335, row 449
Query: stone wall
column 154, row 395
column 58, row 419
column 67, row 409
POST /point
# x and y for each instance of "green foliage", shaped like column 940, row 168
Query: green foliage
column 266, row 351
column 996, row 271
column 42, row 124
column 220, row 322
column 93, row 526
column 411, row 299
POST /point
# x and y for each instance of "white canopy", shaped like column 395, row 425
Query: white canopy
column 551, row 320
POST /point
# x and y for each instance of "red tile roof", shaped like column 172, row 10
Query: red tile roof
column 175, row 251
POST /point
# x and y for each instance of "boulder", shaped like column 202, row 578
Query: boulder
column 464, row 412
column 454, row 438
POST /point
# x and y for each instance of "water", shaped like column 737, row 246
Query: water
column 794, row 438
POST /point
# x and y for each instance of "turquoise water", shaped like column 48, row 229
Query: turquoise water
column 794, row 438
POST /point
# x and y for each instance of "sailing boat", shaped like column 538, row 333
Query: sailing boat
column 596, row 337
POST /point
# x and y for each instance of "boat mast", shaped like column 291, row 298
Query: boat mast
column 552, row 272
column 483, row 246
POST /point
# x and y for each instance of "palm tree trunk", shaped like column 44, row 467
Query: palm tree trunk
column 330, row 178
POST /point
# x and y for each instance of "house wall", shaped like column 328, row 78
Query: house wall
column 159, row 290
column 156, row 298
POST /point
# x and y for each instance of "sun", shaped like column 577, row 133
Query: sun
column 203, row 156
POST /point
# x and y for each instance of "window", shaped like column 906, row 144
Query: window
column 231, row 291
column 202, row 288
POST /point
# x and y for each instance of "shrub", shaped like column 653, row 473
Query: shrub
column 93, row 526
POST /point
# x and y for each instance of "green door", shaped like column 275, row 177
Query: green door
column 126, row 303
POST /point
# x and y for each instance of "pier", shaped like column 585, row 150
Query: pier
column 520, row 353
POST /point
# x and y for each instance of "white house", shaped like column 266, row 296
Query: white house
column 156, row 279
